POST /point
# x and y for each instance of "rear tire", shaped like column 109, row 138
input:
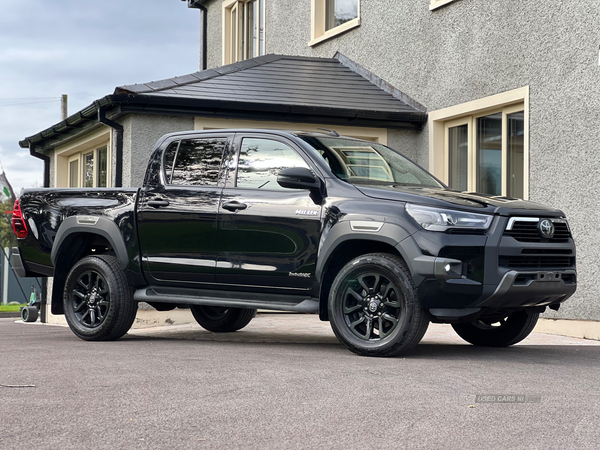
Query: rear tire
column 97, row 300
column 498, row 333
column 222, row 319
column 374, row 309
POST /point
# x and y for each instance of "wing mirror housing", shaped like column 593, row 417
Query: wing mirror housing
column 298, row 178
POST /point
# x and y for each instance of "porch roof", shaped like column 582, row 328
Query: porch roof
column 332, row 91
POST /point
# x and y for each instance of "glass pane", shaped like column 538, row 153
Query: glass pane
column 489, row 154
column 198, row 162
column 515, row 160
column 234, row 33
column 170, row 154
column 261, row 48
column 101, row 171
column 261, row 160
column 88, row 166
column 458, row 157
column 74, row 173
column 339, row 12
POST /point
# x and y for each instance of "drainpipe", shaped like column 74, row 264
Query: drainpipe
column 119, row 135
column 44, row 158
column 204, row 17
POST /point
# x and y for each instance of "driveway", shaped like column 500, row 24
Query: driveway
column 285, row 383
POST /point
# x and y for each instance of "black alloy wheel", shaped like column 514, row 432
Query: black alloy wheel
column 373, row 306
column 97, row 300
column 91, row 299
column 499, row 332
column 222, row 319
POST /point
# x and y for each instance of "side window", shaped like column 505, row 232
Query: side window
column 261, row 160
column 170, row 154
column 197, row 162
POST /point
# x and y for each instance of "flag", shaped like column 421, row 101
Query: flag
column 5, row 186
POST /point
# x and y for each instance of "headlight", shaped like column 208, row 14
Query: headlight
column 438, row 219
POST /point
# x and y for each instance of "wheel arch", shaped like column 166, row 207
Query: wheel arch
column 74, row 241
column 343, row 253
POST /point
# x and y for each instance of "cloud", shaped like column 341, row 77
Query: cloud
column 83, row 49
column 13, row 55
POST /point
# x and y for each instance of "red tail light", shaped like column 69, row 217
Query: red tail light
column 18, row 221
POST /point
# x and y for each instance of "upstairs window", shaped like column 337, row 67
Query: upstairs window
column 243, row 30
column 332, row 17
column 437, row 3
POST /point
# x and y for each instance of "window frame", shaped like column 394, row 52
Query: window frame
column 75, row 150
column 235, row 30
column 467, row 113
column 319, row 33
column 80, row 158
column 435, row 4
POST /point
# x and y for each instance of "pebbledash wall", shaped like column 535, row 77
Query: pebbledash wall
column 473, row 49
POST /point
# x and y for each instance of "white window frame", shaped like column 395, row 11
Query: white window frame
column 234, row 28
column 75, row 151
column 318, row 14
column 437, row 3
column 467, row 113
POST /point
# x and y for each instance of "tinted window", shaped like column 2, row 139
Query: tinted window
column 197, row 161
column 261, row 160
column 170, row 154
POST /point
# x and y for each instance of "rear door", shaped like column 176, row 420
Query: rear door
column 268, row 235
column 177, row 216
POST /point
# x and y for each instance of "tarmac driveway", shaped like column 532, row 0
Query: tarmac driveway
column 284, row 382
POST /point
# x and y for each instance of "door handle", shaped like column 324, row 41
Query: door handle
column 158, row 202
column 234, row 206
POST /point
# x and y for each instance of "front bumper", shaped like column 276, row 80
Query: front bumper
column 460, row 275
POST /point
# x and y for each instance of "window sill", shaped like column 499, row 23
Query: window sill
column 435, row 4
column 335, row 31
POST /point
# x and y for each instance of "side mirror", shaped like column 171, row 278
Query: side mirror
column 298, row 178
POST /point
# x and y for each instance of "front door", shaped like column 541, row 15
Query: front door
column 268, row 235
column 177, row 217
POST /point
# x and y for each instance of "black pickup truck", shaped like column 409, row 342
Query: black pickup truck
column 230, row 221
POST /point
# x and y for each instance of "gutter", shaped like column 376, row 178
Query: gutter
column 119, row 136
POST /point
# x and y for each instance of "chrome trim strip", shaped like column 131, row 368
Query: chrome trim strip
column 365, row 225
column 512, row 221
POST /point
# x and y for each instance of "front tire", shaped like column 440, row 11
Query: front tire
column 374, row 309
column 97, row 300
column 498, row 333
column 222, row 319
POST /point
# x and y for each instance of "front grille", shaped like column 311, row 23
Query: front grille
column 537, row 262
column 527, row 231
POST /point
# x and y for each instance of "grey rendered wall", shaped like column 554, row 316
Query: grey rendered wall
column 471, row 49
column 139, row 137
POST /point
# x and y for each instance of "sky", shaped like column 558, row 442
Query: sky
column 84, row 49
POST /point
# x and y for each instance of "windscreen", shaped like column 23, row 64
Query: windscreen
column 361, row 162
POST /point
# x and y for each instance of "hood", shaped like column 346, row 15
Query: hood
column 468, row 201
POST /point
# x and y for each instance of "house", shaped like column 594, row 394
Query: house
column 498, row 97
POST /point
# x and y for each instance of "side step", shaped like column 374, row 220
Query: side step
column 229, row 298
